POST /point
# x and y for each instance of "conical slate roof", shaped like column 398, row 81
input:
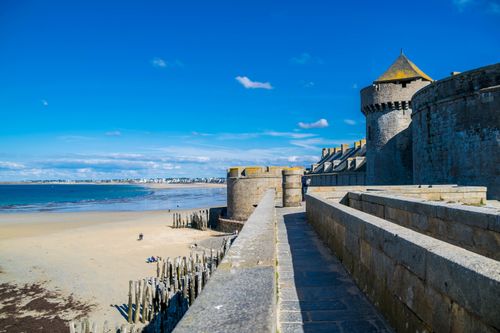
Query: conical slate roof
column 402, row 69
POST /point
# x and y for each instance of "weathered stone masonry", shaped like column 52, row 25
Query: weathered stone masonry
column 387, row 107
column 419, row 283
column 456, row 130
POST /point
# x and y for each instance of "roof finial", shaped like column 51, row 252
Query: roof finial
column 402, row 53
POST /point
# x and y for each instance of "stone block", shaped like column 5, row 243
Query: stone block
column 419, row 222
column 352, row 244
column 487, row 243
column 474, row 216
column 463, row 321
column 373, row 209
column 494, row 224
column 365, row 254
column 434, row 308
column 471, row 280
column 460, row 233
column 406, row 286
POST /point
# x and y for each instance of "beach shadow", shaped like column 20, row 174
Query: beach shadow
column 123, row 310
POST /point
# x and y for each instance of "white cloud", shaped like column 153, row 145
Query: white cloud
column 249, row 84
column 11, row 165
column 322, row 123
column 113, row 133
column 45, row 103
column 306, row 58
column 308, row 84
column 310, row 144
column 302, row 158
column 350, row 122
column 292, row 135
column 159, row 62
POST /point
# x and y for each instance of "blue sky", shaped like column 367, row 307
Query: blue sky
column 104, row 89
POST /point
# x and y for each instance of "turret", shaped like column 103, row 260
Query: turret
column 387, row 107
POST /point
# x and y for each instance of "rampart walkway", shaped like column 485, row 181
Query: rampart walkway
column 315, row 292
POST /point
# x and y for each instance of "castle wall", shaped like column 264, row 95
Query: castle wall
column 246, row 187
column 476, row 229
column 418, row 282
column 456, row 130
column 387, row 108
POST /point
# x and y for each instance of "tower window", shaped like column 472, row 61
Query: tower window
column 403, row 84
column 369, row 132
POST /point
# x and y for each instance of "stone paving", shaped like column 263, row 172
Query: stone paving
column 315, row 292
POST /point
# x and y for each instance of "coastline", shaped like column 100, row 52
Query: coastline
column 89, row 256
column 150, row 185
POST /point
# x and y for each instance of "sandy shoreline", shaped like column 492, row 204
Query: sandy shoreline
column 90, row 255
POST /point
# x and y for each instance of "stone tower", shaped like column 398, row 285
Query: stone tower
column 387, row 107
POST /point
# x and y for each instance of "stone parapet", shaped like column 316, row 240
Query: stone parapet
column 228, row 225
column 419, row 283
column 464, row 194
column 476, row 229
column 241, row 295
column 477, row 81
column 389, row 96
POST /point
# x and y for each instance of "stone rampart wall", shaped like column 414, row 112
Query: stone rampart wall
column 419, row 283
column 456, row 130
column 464, row 194
column 241, row 295
column 473, row 228
column 230, row 226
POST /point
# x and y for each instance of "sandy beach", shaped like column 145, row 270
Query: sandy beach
column 87, row 257
column 181, row 186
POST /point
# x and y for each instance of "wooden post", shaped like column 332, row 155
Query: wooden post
column 163, row 270
column 191, row 289
column 137, row 301
column 129, row 312
column 169, row 270
column 144, row 296
column 185, row 265
column 105, row 327
column 87, row 325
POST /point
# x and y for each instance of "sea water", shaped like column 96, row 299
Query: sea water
column 90, row 197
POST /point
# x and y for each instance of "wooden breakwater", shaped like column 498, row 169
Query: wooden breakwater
column 157, row 304
column 198, row 219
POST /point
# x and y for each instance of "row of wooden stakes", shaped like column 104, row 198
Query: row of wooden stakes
column 157, row 304
column 196, row 219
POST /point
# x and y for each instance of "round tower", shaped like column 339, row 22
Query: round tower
column 387, row 107
column 456, row 130
column 246, row 186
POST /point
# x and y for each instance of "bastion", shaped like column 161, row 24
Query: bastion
column 246, row 186
column 456, row 130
